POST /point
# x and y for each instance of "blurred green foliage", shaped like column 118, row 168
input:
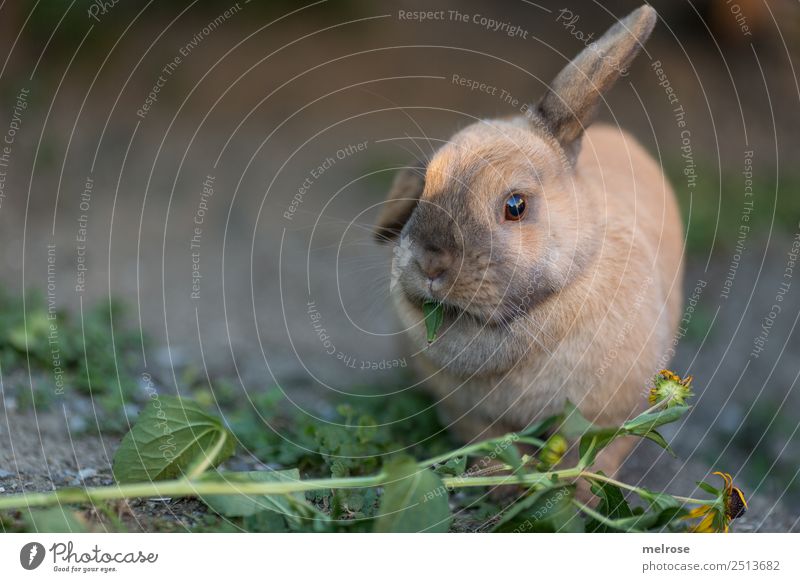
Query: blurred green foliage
column 712, row 211
column 97, row 355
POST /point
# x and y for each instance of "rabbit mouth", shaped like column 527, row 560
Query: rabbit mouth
column 492, row 316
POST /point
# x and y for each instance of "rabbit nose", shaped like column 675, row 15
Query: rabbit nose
column 434, row 261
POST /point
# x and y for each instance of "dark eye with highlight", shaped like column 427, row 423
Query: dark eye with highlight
column 515, row 207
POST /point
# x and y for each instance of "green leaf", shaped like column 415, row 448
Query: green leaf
column 249, row 504
column 413, row 500
column 708, row 488
column 652, row 420
column 509, row 453
column 265, row 522
column 53, row 520
column 510, row 515
column 575, row 424
column 453, row 467
column 653, row 520
column 593, row 438
column 434, row 317
column 540, row 428
column 592, row 444
column 612, row 504
column 658, row 500
column 656, row 437
column 169, row 436
column 551, row 510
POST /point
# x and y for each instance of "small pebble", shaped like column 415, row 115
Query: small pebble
column 87, row 473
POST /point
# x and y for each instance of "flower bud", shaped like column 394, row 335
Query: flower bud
column 554, row 450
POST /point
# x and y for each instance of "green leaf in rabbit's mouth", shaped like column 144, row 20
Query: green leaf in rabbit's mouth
column 434, row 317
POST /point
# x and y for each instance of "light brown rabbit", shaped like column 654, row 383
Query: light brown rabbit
column 556, row 252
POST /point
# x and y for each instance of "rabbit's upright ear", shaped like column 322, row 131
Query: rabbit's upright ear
column 404, row 194
column 571, row 103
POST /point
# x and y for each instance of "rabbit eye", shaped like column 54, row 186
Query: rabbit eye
column 515, row 207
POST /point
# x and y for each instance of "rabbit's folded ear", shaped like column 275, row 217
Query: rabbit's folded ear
column 571, row 103
column 404, row 194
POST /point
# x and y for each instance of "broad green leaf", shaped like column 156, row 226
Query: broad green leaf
column 652, row 520
column 53, row 520
column 594, row 438
column 612, row 504
column 249, row 504
column 575, row 425
column 509, row 515
column 550, row 511
column 434, row 317
column 414, row 500
column 170, row 435
column 664, row 510
column 592, row 444
column 540, row 428
column 265, row 522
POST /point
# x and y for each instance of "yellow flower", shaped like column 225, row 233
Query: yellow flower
column 716, row 516
column 670, row 387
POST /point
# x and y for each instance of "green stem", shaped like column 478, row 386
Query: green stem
column 188, row 488
column 598, row 477
column 479, row 446
column 524, row 479
column 463, row 451
column 208, row 459
column 183, row 488
column 192, row 488
column 597, row 515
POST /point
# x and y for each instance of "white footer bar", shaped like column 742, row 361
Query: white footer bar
column 378, row 558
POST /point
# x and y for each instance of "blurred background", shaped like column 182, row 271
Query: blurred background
column 187, row 189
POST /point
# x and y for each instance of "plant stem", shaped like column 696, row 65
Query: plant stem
column 523, row 479
column 188, row 488
column 463, row 451
column 598, row 477
column 183, row 488
column 597, row 515
column 482, row 445
column 207, row 459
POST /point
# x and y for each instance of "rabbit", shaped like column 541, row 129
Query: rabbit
column 556, row 251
